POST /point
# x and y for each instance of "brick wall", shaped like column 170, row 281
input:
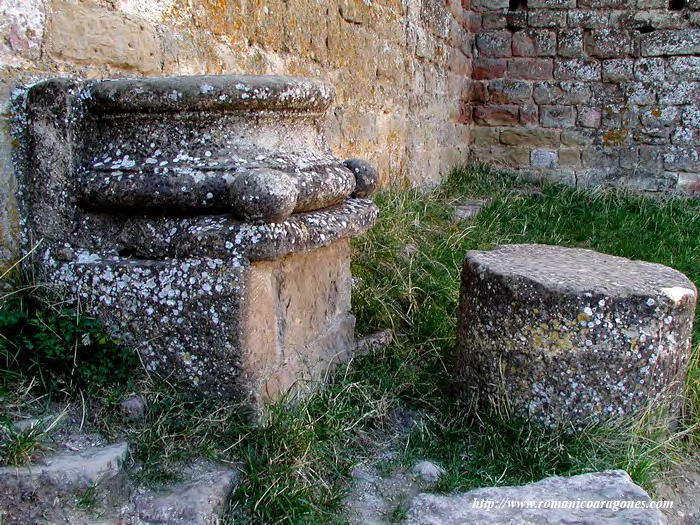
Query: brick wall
column 590, row 92
column 400, row 67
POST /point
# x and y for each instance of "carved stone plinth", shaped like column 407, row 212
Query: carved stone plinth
column 202, row 219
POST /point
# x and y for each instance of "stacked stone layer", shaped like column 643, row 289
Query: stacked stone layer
column 591, row 92
column 223, row 303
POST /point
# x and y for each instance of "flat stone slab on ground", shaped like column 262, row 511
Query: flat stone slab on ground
column 199, row 501
column 603, row 489
column 373, row 342
column 70, row 470
column 46, row 491
column 469, row 209
column 569, row 336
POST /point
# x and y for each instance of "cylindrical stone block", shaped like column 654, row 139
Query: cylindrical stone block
column 567, row 337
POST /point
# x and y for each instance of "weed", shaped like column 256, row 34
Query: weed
column 64, row 347
column 18, row 447
column 416, row 292
column 87, row 499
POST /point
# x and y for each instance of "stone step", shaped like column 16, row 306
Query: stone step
column 70, row 470
column 533, row 504
column 40, row 424
column 201, row 500
column 469, row 209
column 48, row 488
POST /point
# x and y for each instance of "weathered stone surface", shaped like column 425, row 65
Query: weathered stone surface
column 67, row 469
column 557, row 116
column 392, row 63
column 366, row 177
column 569, row 336
column 427, row 471
column 542, row 158
column 40, row 424
column 532, row 43
column 379, row 340
column 102, row 36
column 530, row 137
column 137, row 187
column 555, row 497
column 661, row 43
column 469, row 209
column 264, row 195
column 400, row 69
column 297, row 322
column 608, row 43
column 22, row 22
column 54, row 480
column 133, row 407
column 603, row 65
column 201, row 500
column 193, row 167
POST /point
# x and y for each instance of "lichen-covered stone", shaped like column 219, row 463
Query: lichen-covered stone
column 603, row 498
column 398, row 112
column 570, row 336
column 200, row 499
column 264, row 195
column 43, row 491
column 138, row 187
column 366, row 177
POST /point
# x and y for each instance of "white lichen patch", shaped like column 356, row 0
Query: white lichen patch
column 678, row 293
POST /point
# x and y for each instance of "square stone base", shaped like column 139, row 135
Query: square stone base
column 226, row 328
column 296, row 321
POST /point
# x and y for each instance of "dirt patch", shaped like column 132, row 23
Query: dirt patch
column 682, row 486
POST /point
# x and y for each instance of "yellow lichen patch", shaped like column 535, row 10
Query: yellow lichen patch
column 551, row 338
column 615, row 137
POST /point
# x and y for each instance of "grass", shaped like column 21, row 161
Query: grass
column 86, row 500
column 19, row 446
column 296, row 463
column 416, row 292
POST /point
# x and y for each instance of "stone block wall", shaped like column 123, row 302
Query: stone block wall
column 589, row 92
column 400, row 67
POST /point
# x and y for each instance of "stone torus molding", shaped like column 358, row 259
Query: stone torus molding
column 202, row 219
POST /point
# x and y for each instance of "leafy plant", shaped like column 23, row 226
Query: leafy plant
column 65, row 347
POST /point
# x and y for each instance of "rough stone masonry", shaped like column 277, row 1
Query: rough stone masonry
column 590, row 92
